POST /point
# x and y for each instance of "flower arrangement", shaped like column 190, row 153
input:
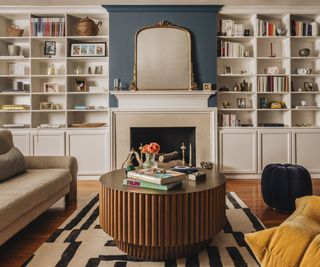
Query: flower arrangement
column 150, row 150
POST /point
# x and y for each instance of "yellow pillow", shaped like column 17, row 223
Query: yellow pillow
column 296, row 242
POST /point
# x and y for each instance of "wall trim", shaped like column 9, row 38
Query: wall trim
column 270, row 9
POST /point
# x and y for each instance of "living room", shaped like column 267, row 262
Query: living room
column 157, row 133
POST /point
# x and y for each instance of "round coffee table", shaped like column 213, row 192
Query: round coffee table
column 159, row 225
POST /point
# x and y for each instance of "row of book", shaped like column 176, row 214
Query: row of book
column 273, row 84
column 299, row 28
column 154, row 179
column 47, row 27
column 227, row 27
column 266, row 28
column 230, row 49
column 228, row 120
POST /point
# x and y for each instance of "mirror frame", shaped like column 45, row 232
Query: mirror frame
column 163, row 24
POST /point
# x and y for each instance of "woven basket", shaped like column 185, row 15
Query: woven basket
column 87, row 27
column 14, row 31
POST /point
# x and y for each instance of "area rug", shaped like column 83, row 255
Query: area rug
column 81, row 242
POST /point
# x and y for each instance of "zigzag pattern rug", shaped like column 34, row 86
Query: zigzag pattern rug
column 81, row 242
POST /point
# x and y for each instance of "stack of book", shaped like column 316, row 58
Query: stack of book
column 228, row 120
column 300, row 28
column 230, row 49
column 227, row 27
column 154, row 179
column 47, row 27
column 273, row 84
column 266, row 28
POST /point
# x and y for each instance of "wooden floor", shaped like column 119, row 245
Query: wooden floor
column 15, row 251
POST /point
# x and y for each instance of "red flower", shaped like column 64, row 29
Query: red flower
column 145, row 149
column 153, row 148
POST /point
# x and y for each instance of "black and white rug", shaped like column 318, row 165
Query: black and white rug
column 81, row 242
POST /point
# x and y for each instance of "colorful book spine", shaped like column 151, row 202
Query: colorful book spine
column 230, row 49
column 273, row 84
column 51, row 27
column 143, row 184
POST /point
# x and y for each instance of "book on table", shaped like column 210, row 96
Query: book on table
column 155, row 177
column 143, row 184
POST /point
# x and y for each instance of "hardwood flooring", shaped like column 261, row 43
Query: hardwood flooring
column 16, row 250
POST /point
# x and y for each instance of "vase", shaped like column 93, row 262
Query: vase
column 150, row 161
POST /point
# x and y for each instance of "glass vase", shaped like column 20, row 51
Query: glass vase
column 150, row 161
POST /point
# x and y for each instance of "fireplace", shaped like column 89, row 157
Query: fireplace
column 169, row 138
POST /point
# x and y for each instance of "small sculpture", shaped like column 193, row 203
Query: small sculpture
column 183, row 150
column 128, row 162
column 304, row 52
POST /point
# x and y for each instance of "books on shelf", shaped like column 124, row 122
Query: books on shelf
column 148, row 175
column 228, row 120
column 273, row 84
column 143, row 184
column 228, row 27
column 51, row 27
column 300, row 28
column 230, row 49
column 266, row 28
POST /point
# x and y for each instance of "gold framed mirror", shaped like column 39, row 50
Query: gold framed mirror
column 162, row 59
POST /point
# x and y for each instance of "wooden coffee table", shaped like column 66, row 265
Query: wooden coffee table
column 160, row 225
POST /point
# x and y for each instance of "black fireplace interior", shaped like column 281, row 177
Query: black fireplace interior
column 169, row 138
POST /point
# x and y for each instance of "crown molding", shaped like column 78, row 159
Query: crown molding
column 270, row 9
column 52, row 9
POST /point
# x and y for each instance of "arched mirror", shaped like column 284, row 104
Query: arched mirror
column 163, row 58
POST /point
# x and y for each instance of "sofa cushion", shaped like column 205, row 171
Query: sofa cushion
column 11, row 164
column 23, row 192
column 296, row 242
column 6, row 141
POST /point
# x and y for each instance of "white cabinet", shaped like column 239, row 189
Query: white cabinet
column 48, row 143
column 238, row 151
column 274, row 147
column 306, row 145
column 90, row 149
column 21, row 140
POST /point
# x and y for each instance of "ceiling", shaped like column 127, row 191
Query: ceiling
column 156, row 2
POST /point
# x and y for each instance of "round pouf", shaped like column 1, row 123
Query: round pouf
column 281, row 184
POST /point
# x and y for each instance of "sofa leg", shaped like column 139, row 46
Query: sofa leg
column 69, row 198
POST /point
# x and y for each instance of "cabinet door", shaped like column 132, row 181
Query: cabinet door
column 21, row 140
column 91, row 150
column 307, row 149
column 48, row 143
column 274, row 147
column 238, row 151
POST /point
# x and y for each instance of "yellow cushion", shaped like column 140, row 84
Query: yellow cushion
column 296, row 242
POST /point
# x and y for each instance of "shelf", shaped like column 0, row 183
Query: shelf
column 14, row 111
column 273, row 75
column 273, row 93
column 106, row 58
column 87, row 93
column 273, row 58
column 306, row 92
column 15, row 94
column 304, row 75
column 273, row 37
column 239, row 92
column 305, row 58
column 14, row 76
column 47, row 76
column 273, row 109
column 88, row 110
column 236, row 75
column 243, row 58
column 45, row 93
column 48, row 37
column 236, row 109
column 48, row 110
column 88, row 75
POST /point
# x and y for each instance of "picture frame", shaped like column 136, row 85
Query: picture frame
column 241, row 103
column 96, row 49
column 98, row 69
column 227, row 70
column 50, row 87
column 46, row 105
column 80, row 86
column 50, row 48
column 308, row 86
column 207, row 86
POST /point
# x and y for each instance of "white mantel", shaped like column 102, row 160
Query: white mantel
column 174, row 99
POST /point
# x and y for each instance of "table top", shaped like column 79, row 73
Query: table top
column 113, row 180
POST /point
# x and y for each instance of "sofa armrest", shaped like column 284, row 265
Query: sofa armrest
column 56, row 162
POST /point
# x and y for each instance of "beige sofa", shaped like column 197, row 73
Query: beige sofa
column 27, row 195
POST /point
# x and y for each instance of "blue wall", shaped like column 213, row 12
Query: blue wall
column 125, row 21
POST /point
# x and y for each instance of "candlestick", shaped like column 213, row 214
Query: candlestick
column 190, row 154
column 183, row 150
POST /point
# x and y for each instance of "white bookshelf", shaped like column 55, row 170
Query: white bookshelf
column 286, row 58
column 36, row 63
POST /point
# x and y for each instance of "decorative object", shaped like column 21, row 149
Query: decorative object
column 18, row 86
column 263, row 102
column 171, row 70
column 96, row 49
column 87, row 27
column 116, row 84
column 46, row 105
column 78, row 70
column 14, row 50
column 128, row 164
column 50, row 48
column 304, row 52
column 300, row 89
column 247, row 53
column 227, row 70
column 303, row 71
column 243, row 71
column 277, row 104
column 80, row 85
column 241, row 102
column 238, row 30
column 281, row 184
column 226, row 104
column 51, row 70
column 207, row 86
column 236, row 87
column 271, row 51
column 224, row 89
column 207, row 165
column 244, row 86
column 150, row 151
column 89, row 70
column 315, row 28
column 183, row 152
column 280, row 32
column 16, row 69
column 303, row 103
column 14, row 31
column 308, row 86
column 50, row 87
column 271, row 70
column 247, row 32
column 98, row 69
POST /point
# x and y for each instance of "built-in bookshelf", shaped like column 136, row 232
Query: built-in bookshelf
column 72, row 103
column 281, row 83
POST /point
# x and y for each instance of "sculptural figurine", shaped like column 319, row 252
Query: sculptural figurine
column 183, row 149
column 128, row 162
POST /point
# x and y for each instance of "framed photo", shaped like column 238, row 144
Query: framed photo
column 98, row 69
column 308, row 86
column 46, row 105
column 227, row 70
column 88, row 49
column 207, row 86
column 80, row 86
column 241, row 103
column 50, row 87
column 50, row 48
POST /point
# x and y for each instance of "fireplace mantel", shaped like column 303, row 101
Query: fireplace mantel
column 177, row 99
